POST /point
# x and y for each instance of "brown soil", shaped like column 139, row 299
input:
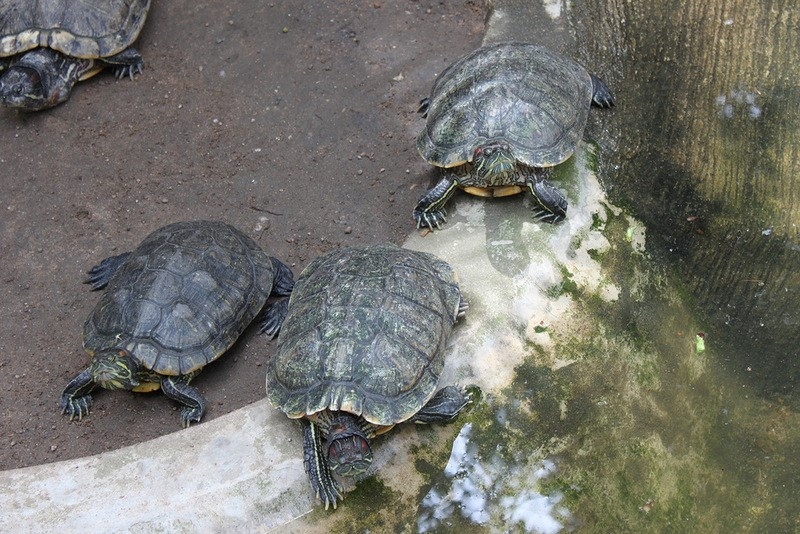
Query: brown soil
column 295, row 125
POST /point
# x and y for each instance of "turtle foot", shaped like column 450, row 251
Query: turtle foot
column 189, row 415
column 551, row 205
column 430, row 219
column 446, row 404
column 272, row 318
column 128, row 71
column 542, row 215
column 75, row 407
column 315, row 461
column 127, row 63
column 178, row 389
column 601, row 97
column 99, row 275
column 424, row 104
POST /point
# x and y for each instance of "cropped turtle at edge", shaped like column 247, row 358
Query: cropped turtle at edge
column 47, row 46
column 499, row 119
column 362, row 349
column 173, row 305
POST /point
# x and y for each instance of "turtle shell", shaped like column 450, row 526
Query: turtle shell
column 533, row 99
column 365, row 333
column 96, row 29
column 182, row 297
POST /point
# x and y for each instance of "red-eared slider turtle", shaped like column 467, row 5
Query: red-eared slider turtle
column 362, row 349
column 174, row 304
column 46, row 46
column 498, row 119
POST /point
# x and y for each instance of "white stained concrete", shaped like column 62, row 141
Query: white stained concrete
column 240, row 472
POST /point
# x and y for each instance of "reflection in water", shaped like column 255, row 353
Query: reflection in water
column 484, row 490
column 739, row 100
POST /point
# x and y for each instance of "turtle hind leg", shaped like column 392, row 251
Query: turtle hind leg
column 429, row 211
column 601, row 94
column 76, row 399
column 283, row 279
column 99, row 275
column 317, row 468
column 444, row 406
column 551, row 204
column 178, row 389
column 129, row 62
column 273, row 313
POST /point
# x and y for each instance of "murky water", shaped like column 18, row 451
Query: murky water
column 706, row 154
column 606, row 406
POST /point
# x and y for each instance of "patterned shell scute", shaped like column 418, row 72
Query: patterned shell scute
column 535, row 100
column 99, row 28
column 183, row 297
column 365, row 333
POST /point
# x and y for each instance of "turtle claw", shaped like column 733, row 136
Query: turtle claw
column 545, row 216
column 424, row 104
column 75, row 407
column 429, row 219
column 99, row 275
column 272, row 318
column 127, row 70
column 331, row 495
column 127, row 63
column 601, row 94
column 190, row 415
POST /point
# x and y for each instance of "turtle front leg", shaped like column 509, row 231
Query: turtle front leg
column 551, row 204
column 317, row 468
column 430, row 211
column 444, row 406
column 178, row 389
column 76, row 399
column 129, row 62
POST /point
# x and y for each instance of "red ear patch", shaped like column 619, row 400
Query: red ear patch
column 35, row 78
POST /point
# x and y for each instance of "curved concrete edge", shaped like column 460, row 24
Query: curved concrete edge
column 227, row 474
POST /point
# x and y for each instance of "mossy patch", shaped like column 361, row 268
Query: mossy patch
column 371, row 506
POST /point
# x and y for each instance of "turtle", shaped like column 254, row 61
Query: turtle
column 46, row 46
column 173, row 305
column 362, row 349
column 499, row 119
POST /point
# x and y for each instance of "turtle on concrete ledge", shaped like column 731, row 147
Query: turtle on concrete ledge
column 498, row 119
column 362, row 349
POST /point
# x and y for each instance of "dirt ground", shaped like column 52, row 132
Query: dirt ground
column 297, row 127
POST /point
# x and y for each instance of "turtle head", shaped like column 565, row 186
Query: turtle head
column 21, row 87
column 492, row 160
column 349, row 453
column 114, row 369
